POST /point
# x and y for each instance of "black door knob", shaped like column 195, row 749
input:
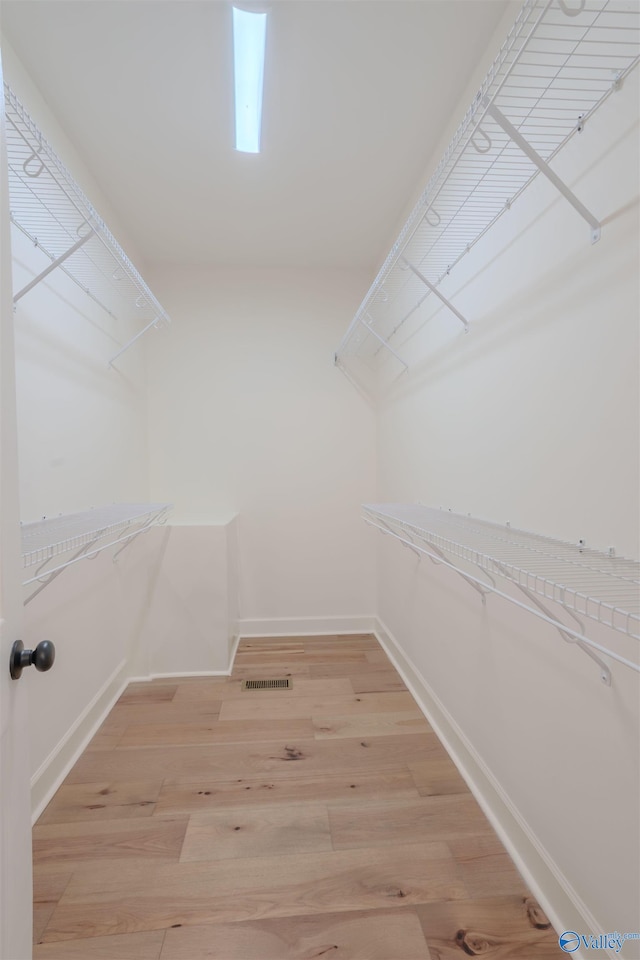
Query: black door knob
column 41, row 657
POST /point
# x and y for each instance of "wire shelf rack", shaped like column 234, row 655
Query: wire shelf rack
column 560, row 62
column 84, row 534
column 585, row 582
column 52, row 211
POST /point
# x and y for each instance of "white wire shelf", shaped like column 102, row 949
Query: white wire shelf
column 52, row 211
column 560, row 62
column 585, row 582
column 83, row 535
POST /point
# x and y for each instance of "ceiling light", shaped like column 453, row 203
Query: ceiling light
column 249, row 37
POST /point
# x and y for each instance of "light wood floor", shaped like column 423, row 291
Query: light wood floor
column 325, row 821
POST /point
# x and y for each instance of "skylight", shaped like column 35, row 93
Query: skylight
column 249, row 37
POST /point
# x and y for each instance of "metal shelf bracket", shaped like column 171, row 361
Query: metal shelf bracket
column 156, row 322
column 409, row 544
column 52, row 266
column 472, row 583
column 158, row 520
column 435, row 290
column 496, row 114
column 605, row 673
column 385, row 343
column 46, row 578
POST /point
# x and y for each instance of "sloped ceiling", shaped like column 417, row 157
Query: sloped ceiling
column 357, row 95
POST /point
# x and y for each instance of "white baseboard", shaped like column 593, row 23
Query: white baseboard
column 193, row 673
column 558, row 898
column 233, row 651
column 306, row 626
column 52, row 771
column 179, row 676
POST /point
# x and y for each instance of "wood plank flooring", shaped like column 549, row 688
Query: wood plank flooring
column 327, row 820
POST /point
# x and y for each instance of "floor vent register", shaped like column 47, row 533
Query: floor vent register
column 281, row 683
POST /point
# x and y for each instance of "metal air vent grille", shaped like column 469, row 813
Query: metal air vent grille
column 282, row 683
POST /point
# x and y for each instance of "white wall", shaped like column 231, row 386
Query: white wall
column 188, row 623
column 81, row 424
column 248, row 415
column 166, row 605
column 533, row 418
column 92, row 612
column 81, row 443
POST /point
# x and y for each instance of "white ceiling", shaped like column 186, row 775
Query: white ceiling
column 357, row 95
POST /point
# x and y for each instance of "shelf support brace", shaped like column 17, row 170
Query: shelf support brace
column 544, row 168
column 405, row 543
column 415, row 549
column 605, row 673
column 52, row 574
column 472, row 583
column 52, row 266
column 158, row 520
column 154, row 323
column 90, row 550
column 385, row 343
column 435, row 290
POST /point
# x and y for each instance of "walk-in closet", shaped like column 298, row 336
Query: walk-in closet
column 320, row 479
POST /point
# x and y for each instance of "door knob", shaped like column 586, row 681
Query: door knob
column 41, row 657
